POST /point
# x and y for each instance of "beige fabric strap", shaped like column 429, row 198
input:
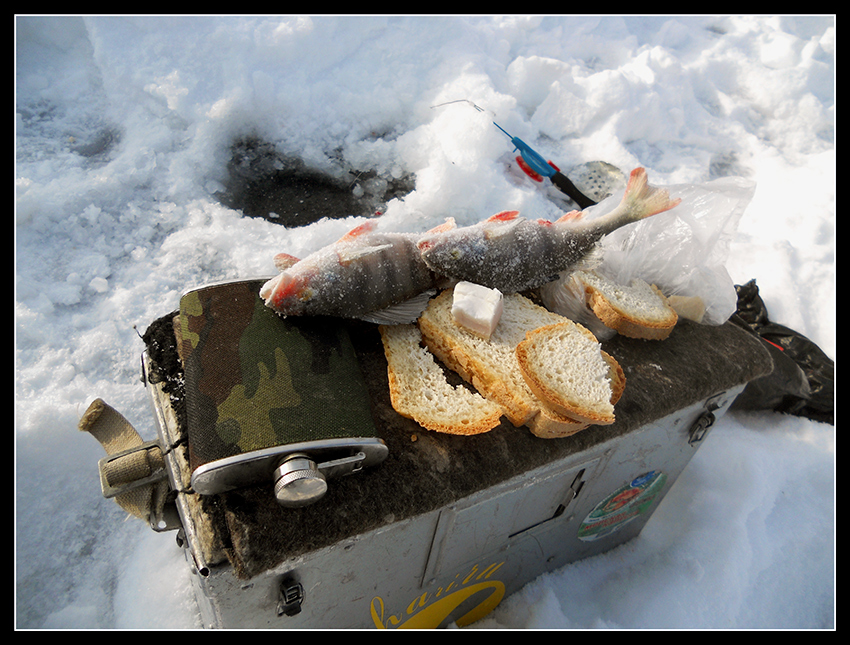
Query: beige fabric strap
column 129, row 460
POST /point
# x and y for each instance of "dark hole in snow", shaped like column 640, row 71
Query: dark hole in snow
column 264, row 183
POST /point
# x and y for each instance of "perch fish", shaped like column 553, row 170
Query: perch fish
column 510, row 253
column 388, row 278
column 366, row 274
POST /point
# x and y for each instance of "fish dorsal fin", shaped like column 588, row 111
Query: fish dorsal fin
column 348, row 255
column 501, row 224
column 403, row 313
column 448, row 225
column 569, row 217
column 503, row 216
column 282, row 261
column 357, row 231
column 426, row 242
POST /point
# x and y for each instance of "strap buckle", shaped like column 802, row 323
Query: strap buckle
column 109, row 490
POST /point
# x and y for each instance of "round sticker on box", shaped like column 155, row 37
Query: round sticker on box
column 622, row 506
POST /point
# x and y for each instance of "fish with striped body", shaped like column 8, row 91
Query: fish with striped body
column 388, row 278
column 366, row 274
column 510, row 253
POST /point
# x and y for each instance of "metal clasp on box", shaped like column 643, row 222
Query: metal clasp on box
column 700, row 428
column 299, row 471
column 163, row 514
column 290, row 597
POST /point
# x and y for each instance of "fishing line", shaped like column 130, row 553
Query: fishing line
column 480, row 109
column 533, row 164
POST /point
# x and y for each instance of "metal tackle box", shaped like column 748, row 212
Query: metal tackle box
column 443, row 527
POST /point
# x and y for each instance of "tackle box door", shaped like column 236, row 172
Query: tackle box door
column 492, row 520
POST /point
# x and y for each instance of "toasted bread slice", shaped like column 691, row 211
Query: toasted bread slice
column 419, row 389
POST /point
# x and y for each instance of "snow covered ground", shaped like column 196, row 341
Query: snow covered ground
column 123, row 134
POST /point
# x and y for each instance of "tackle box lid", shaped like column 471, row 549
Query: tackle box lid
column 425, row 470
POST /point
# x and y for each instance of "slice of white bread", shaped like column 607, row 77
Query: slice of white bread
column 638, row 310
column 563, row 365
column 492, row 367
column 549, row 424
column 419, row 389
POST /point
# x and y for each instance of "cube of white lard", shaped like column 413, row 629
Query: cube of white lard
column 477, row 308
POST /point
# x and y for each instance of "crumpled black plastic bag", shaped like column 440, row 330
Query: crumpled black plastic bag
column 803, row 379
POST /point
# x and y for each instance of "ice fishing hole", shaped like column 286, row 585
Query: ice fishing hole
column 263, row 182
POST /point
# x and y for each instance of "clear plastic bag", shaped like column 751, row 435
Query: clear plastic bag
column 682, row 251
column 566, row 296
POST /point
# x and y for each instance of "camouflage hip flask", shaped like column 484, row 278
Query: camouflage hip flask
column 270, row 399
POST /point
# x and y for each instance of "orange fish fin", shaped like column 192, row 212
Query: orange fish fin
column 647, row 200
column 569, row 217
column 448, row 225
column 504, row 216
column 282, row 261
column 357, row 231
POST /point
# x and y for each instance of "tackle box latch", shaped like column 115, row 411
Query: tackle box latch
column 290, row 597
column 703, row 423
column 133, row 473
column 162, row 516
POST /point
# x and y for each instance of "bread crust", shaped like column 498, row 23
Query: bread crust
column 455, row 348
column 419, row 391
column 627, row 324
column 548, row 424
column 617, row 377
column 565, row 403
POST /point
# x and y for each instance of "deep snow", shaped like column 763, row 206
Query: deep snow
column 123, row 133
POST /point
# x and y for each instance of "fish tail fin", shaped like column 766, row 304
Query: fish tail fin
column 642, row 200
